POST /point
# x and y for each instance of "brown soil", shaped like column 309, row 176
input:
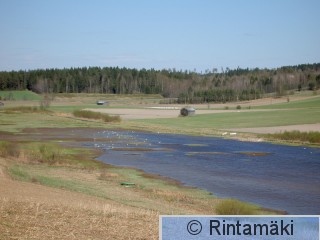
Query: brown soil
column 33, row 211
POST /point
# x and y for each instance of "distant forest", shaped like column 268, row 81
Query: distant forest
column 186, row 86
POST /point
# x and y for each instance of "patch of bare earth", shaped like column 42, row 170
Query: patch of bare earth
column 33, row 211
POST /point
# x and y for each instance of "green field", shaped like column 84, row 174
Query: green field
column 19, row 96
column 16, row 122
column 313, row 102
column 225, row 120
column 59, row 114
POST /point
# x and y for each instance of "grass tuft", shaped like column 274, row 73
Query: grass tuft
column 235, row 207
column 50, row 154
column 17, row 172
column 8, row 149
column 311, row 137
column 96, row 115
column 47, row 153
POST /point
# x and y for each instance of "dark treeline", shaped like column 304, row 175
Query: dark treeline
column 187, row 86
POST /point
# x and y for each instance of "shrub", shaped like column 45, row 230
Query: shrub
column 238, row 107
column 235, row 207
column 311, row 86
column 96, row 115
column 108, row 118
column 45, row 103
column 49, row 153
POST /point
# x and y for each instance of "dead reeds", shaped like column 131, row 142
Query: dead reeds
column 96, row 116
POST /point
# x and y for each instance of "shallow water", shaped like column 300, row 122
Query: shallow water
column 273, row 176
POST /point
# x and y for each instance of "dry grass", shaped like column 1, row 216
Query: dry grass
column 29, row 220
column 48, row 153
column 171, row 196
column 8, row 149
column 106, row 175
column 96, row 115
column 310, row 137
column 26, row 109
column 29, row 210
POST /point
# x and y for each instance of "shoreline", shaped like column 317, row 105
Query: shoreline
column 134, row 126
column 219, row 133
column 178, row 183
column 148, row 166
column 76, row 142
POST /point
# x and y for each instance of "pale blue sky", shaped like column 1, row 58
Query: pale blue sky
column 184, row 34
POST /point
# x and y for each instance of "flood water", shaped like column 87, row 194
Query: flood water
column 273, row 176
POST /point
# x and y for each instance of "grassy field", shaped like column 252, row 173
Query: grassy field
column 54, row 177
column 59, row 114
column 313, row 102
column 299, row 112
column 16, row 122
column 15, row 119
column 240, row 119
column 19, row 95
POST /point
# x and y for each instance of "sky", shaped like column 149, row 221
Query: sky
column 172, row 34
